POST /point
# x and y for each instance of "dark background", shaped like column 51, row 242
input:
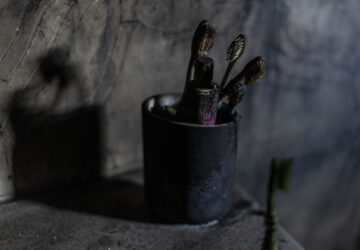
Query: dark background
column 125, row 51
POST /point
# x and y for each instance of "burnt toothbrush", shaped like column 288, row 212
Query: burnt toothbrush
column 233, row 53
column 203, row 41
column 201, row 44
column 236, row 97
column 253, row 72
column 225, row 112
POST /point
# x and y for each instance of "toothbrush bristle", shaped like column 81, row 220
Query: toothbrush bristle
column 237, row 94
column 206, row 39
column 199, row 32
column 255, row 70
column 236, row 48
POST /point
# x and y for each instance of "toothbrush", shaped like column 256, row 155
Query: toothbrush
column 233, row 53
column 235, row 98
column 253, row 72
column 203, row 41
column 225, row 112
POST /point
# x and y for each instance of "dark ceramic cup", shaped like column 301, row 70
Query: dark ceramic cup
column 189, row 169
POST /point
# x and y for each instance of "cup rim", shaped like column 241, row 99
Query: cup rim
column 145, row 108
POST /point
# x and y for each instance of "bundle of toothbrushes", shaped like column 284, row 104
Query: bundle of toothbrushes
column 203, row 101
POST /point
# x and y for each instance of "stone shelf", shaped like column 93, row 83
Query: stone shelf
column 112, row 214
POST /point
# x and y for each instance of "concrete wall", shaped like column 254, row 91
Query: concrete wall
column 124, row 51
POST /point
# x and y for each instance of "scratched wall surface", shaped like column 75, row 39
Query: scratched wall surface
column 124, row 51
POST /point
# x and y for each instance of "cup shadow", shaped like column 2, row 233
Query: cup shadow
column 113, row 197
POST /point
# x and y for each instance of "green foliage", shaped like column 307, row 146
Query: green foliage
column 282, row 173
column 171, row 110
column 279, row 179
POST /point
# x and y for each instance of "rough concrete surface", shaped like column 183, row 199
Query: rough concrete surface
column 126, row 50
column 112, row 215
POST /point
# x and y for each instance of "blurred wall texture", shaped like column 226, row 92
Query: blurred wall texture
column 127, row 50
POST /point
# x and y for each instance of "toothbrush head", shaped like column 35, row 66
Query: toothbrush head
column 203, row 39
column 207, row 41
column 255, row 70
column 236, row 48
column 237, row 94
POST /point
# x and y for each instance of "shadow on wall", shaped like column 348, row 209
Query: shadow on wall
column 57, row 143
column 59, row 146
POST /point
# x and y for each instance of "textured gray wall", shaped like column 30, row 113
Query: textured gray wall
column 127, row 50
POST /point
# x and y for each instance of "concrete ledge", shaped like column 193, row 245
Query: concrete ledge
column 112, row 215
